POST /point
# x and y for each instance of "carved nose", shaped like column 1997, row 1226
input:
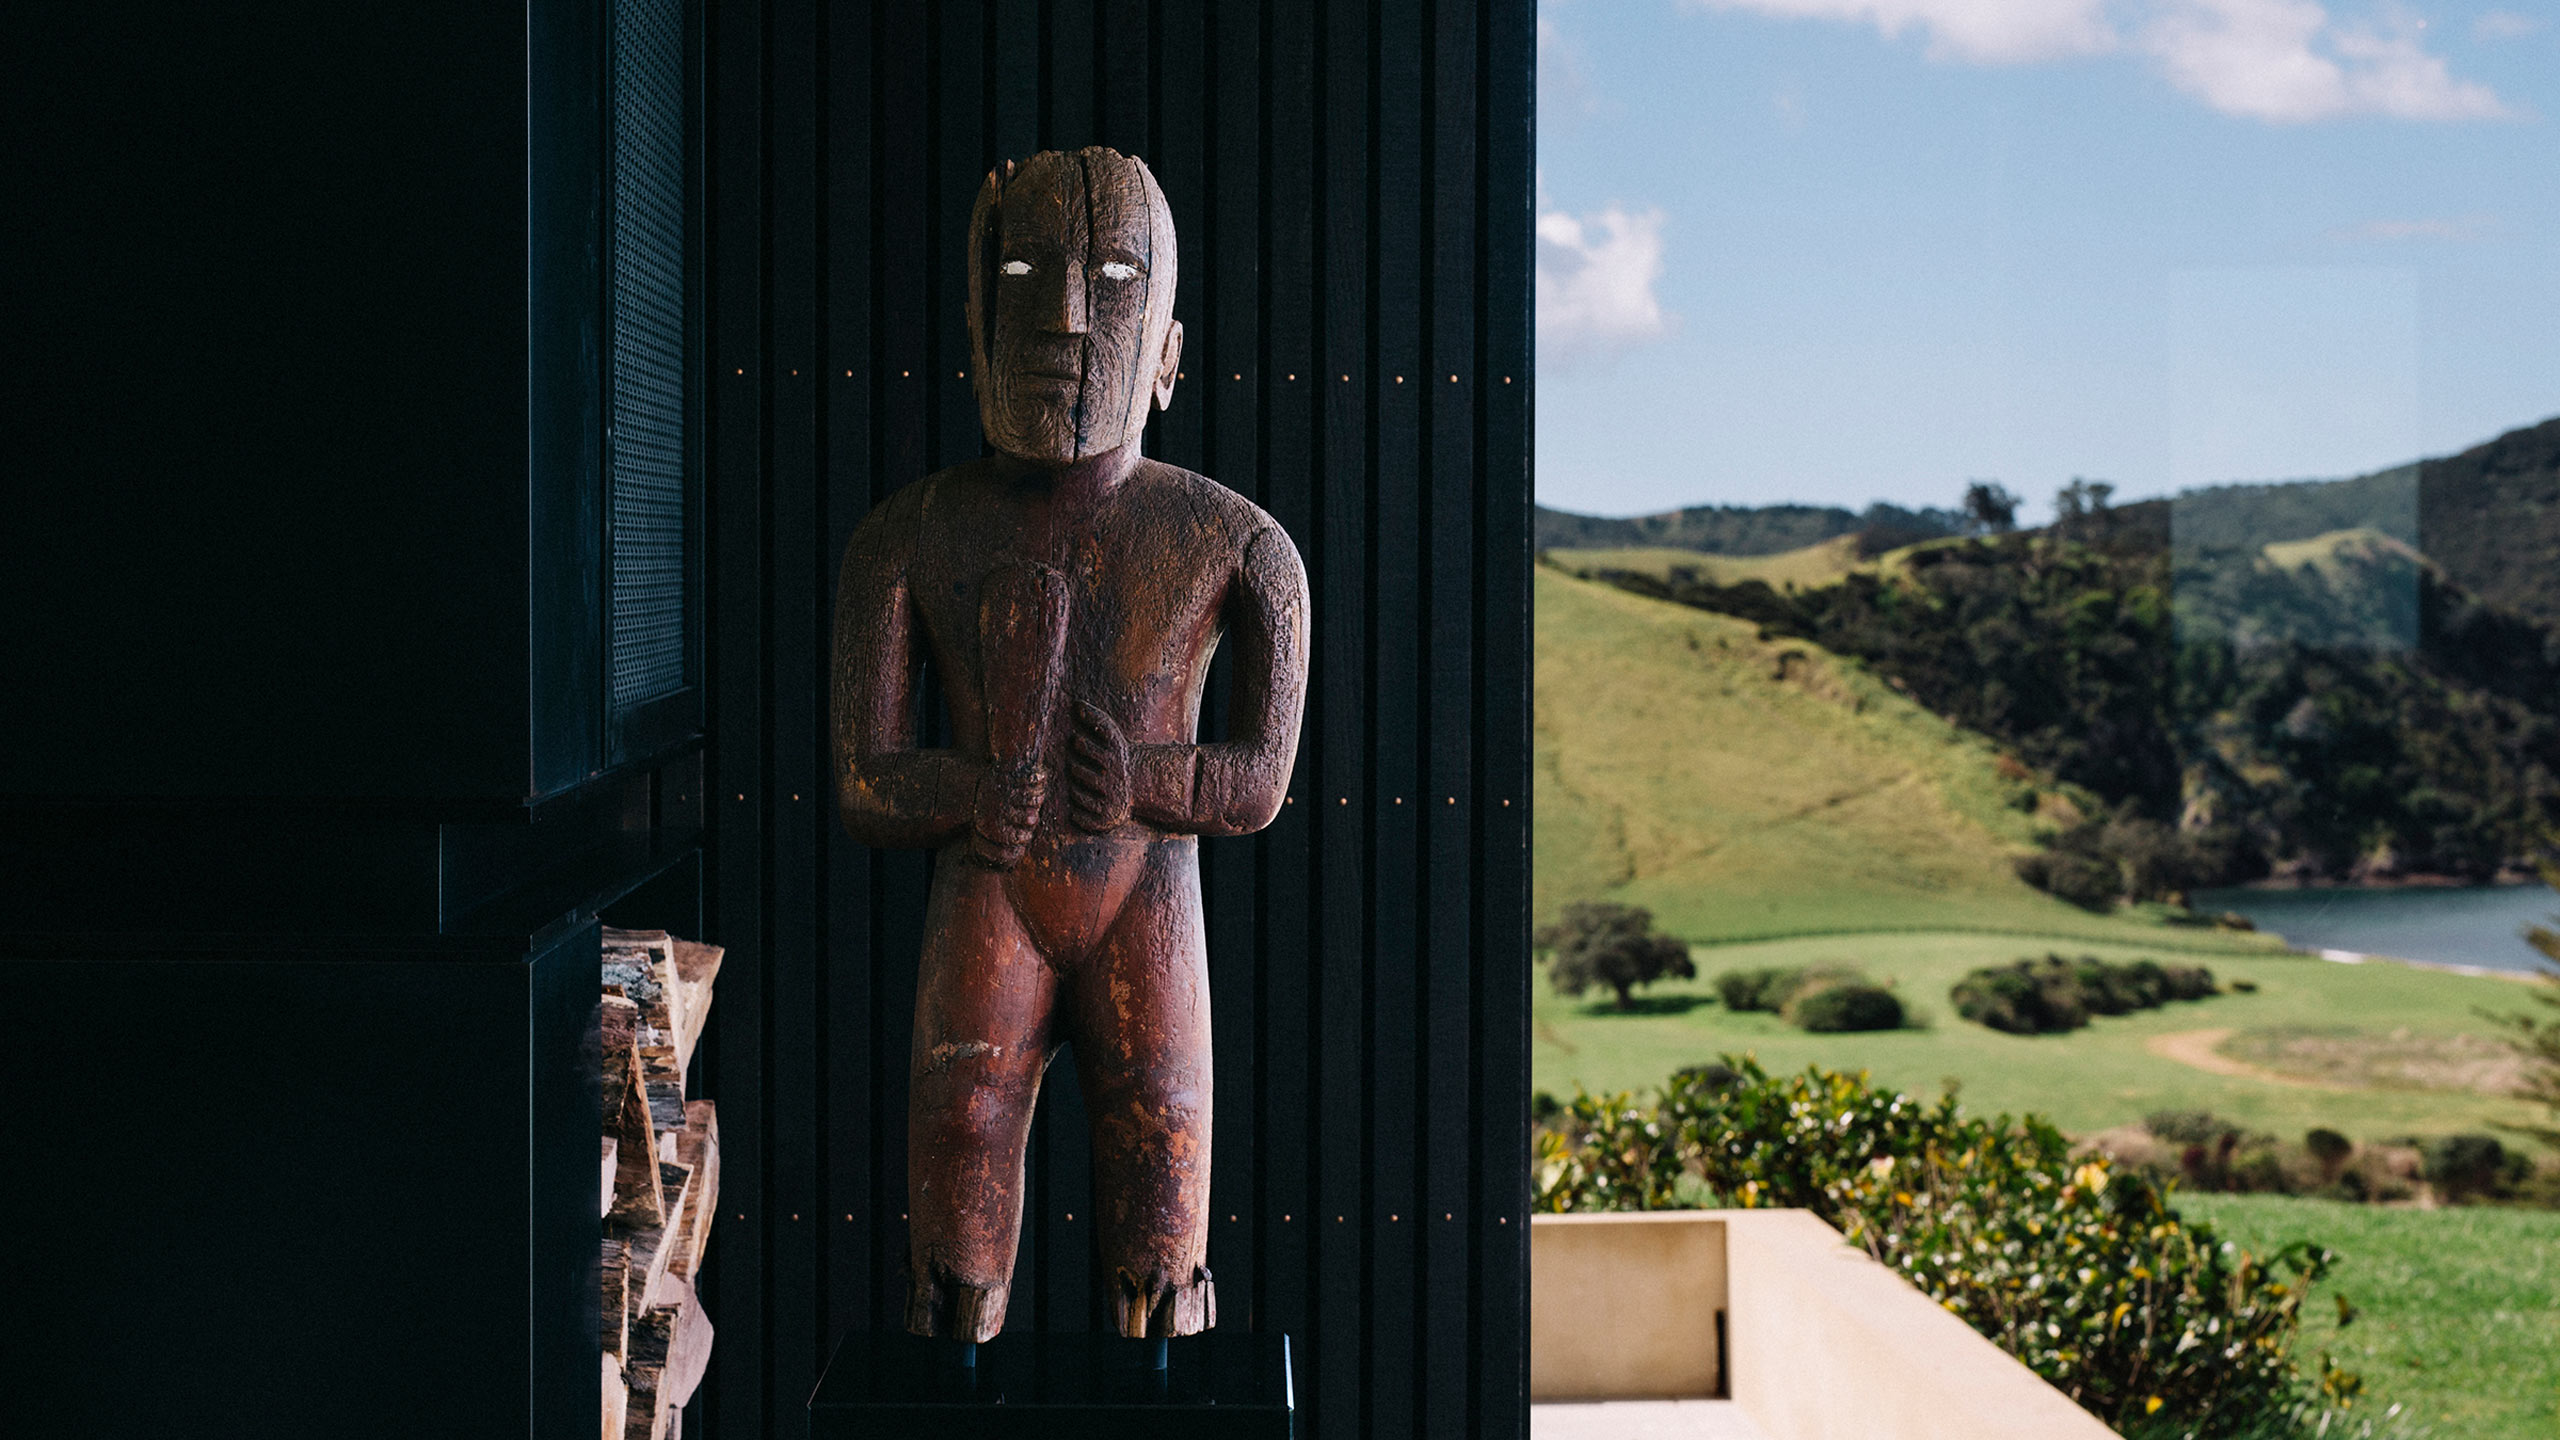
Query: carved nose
column 1062, row 312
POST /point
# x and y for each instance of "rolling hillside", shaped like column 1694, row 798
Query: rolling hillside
column 1743, row 788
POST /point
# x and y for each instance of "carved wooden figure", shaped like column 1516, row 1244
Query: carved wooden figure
column 1070, row 593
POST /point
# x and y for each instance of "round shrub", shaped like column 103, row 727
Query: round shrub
column 2051, row 995
column 2463, row 1165
column 1745, row 990
column 2328, row 1147
column 2085, row 881
column 1837, row 1008
column 2029, row 997
column 1770, row 989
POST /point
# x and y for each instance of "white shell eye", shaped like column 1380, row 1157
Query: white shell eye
column 1119, row 270
column 1017, row 267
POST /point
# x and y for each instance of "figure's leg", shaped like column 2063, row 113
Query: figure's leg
column 1138, row 1013
column 984, row 1003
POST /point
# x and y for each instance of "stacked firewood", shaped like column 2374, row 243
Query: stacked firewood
column 661, row 1180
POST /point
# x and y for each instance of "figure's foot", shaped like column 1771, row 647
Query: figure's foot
column 1152, row 1307
column 943, row 1306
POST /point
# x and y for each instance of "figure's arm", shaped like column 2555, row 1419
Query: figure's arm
column 1235, row 787
column 889, row 793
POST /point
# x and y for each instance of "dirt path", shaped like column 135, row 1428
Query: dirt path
column 2197, row 1048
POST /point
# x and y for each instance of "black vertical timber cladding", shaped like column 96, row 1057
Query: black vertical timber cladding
column 737, row 1266
column 1352, row 186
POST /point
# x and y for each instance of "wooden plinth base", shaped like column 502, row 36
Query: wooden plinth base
column 1219, row 1386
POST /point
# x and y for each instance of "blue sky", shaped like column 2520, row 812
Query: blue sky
column 1843, row 250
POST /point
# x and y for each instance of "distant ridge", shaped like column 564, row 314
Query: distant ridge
column 2489, row 517
column 1740, row 529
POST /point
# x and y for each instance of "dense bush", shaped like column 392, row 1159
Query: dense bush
column 1605, row 944
column 2092, row 882
column 2128, row 856
column 2051, row 995
column 2467, row 1167
column 1770, row 989
column 1821, row 998
column 1846, row 1007
column 2082, row 1272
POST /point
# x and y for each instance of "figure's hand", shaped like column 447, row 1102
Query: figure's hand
column 1098, row 773
column 1008, row 807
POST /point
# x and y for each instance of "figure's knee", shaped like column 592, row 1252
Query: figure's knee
column 970, row 1106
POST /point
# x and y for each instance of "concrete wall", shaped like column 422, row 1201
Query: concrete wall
column 1822, row 1343
column 1625, row 1306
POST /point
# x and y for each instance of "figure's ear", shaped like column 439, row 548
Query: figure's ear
column 1169, row 365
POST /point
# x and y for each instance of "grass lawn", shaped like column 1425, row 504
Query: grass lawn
column 2459, row 1309
column 2087, row 1080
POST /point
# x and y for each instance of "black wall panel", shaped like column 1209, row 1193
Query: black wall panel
column 1352, row 187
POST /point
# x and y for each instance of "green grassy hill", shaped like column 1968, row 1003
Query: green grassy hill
column 1748, row 789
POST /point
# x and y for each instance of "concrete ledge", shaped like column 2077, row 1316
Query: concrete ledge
column 1820, row 1342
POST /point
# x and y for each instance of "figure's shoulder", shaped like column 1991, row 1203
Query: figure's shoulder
column 897, row 520
column 1238, row 518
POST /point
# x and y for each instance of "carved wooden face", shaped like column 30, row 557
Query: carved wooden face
column 1071, row 279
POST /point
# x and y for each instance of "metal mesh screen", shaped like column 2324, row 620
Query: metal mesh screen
column 645, row 415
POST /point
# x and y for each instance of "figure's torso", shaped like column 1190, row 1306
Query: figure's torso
column 1148, row 570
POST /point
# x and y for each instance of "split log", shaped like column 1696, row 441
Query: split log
column 650, row 1248
column 617, row 1399
column 689, row 1350
column 643, row 964
column 697, row 1145
column 614, row 1311
column 628, row 1116
column 646, row 1375
column 612, row 1149
column 665, row 1086
column 697, row 966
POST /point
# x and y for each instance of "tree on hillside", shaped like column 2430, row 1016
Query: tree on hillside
column 1602, row 943
column 2084, row 510
column 2539, row 1039
column 1989, row 508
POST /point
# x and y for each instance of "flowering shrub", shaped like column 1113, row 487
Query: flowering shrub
column 2081, row 1271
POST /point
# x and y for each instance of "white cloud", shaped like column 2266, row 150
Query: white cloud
column 1986, row 31
column 1596, row 281
column 2289, row 61
column 2504, row 25
column 2284, row 61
